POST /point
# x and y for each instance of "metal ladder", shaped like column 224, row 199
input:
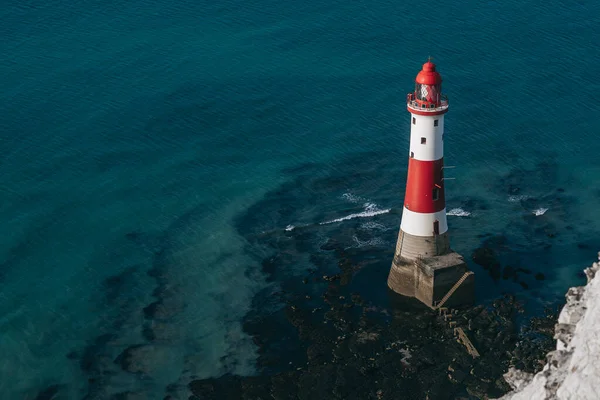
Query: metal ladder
column 453, row 289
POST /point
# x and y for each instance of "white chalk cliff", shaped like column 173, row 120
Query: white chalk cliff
column 572, row 370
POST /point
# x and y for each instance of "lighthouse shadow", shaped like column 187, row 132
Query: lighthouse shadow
column 370, row 282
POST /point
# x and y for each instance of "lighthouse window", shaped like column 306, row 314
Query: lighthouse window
column 414, row 121
column 435, row 122
column 412, row 154
column 423, row 140
column 436, row 194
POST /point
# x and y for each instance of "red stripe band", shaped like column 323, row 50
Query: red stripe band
column 424, row 186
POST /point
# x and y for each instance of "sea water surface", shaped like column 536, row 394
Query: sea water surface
column 136, row 136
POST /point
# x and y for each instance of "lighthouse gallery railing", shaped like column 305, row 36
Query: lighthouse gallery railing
column 412, row 103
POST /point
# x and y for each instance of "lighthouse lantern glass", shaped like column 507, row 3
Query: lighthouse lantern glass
column 428, row 93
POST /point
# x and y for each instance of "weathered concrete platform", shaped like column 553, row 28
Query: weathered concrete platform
column 429, row 279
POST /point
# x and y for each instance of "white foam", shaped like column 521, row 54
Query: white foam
column 515, row 198
column 289, row 228
column 371, row 210
column 371, row 242
column 540, row 211
column 351, row 198
column 458, row 212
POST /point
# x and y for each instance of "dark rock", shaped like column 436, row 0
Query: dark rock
column 458, row 376
column 142, row 358
column 478, row 389
column 486, row 257
column 549, row 230
column 473, row 203
column 148, row 333
column 321, row 261
column 121, row 278
column 316, row 351
column 135, row 235
column 331, row 244
column 128, row 396
column 318, row 383
column 226, row 387
column 284, row 386
column 89, row 357
column 332, row 278
column 350, row 348
column 346, row 279
column 509, row 273
column 350, row 383
column 256, row 388
column 303, row 241
column 162, row 309
column 151, row 310
column 269, row 266
column 50, row 393
column 524, row 285
column 539, row 276
column 356, row 299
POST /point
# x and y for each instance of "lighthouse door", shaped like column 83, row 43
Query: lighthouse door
column 436, row 227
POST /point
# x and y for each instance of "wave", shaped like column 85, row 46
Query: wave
column 458, row 212
column 371, row 210
column 539, row 211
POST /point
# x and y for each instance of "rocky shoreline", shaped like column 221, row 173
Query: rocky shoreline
column 343, row 347
column 572, row 369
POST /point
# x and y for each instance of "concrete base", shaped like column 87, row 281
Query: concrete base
column 430, row 278
column 411, row 247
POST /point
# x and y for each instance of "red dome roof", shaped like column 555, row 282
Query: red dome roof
column 428, row 75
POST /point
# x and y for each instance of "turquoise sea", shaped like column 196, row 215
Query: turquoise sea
column 146, row 143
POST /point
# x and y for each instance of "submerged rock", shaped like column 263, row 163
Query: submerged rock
column 52, row 392
column 539, row 276
column 142, row 358
column 354, row 350
column 486, row 257
column 509, row 273
column 129, row 396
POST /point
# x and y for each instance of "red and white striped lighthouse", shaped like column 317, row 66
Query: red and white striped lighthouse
column 424, row 228
column 424, row 213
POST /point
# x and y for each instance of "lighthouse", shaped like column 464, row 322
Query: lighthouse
column 424, row 266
